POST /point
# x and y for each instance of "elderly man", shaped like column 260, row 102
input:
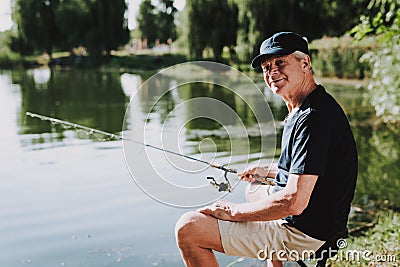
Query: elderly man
column 315, row 175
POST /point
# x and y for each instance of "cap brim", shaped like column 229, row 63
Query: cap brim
column 256, row 62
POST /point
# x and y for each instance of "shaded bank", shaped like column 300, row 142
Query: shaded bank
column 331, row 57
column 142, row 62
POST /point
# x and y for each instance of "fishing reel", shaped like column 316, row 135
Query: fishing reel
column 226, row 186
column 223, row 186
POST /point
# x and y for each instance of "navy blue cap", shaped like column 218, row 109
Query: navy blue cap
column 281, row 43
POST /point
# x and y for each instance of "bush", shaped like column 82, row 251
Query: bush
column 9, row 59
column 384, row 87
column 385, row 62
column 339, row 57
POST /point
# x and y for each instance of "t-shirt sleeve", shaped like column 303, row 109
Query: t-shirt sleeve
column 310, row 145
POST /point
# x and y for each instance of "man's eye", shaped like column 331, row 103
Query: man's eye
column 265, row 68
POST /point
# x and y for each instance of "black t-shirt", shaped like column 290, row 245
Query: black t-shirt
column 317, row 140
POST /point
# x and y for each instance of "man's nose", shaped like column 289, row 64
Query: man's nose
column 272, row 70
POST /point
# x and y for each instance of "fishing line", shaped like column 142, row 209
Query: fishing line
column 222, row 187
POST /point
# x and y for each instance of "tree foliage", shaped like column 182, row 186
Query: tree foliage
column 166, row 21
column 108, row 26
column 147, row 22
column 157, row 23
column 244, row 24
column 313, row 19
column 46, row 25
column 36, row 24
column 213, row 24
column 385, row 61
column 73, row 21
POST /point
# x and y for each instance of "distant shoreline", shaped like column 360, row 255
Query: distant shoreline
column 145, row 63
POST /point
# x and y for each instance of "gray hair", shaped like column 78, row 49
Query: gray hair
column 299, row 56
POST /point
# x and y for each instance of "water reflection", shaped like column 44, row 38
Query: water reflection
column 195, row 112
column 130, row 83
column 212, row 108
column 85, row 97
column 41, row 76
column 379, row 163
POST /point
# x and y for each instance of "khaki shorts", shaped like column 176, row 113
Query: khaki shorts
column 274, row 240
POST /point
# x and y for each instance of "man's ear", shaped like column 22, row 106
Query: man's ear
column 306, row 64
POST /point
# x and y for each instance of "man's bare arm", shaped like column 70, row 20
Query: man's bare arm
column 292, row 200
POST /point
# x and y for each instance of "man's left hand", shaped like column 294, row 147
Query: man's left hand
column 221, row 209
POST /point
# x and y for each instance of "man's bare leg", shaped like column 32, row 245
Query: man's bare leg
column 274, row 263
column 197, row 235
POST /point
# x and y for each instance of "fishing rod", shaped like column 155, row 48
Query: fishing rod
column 222, row 187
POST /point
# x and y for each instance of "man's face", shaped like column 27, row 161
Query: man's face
column 283, row 74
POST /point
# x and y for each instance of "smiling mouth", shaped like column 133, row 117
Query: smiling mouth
column 277, row 80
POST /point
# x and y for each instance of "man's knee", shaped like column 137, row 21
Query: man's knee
column 187, row 226
column 195, row 229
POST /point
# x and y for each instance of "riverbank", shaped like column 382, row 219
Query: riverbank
column 378, row 246
column 329, row 60
column 133, row 63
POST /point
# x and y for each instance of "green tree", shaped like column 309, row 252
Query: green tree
column 46, row 25
column 108, row 27
column 148, row 22
column 213, row 24
column 312, row 18
column 385, row 61
column 166, row 21
column 225, row 25
column 73, row 21
column 198, row 28
column 37, row 24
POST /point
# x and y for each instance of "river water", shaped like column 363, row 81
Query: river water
column 69, row 198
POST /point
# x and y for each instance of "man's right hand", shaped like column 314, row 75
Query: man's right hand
column 258, row 173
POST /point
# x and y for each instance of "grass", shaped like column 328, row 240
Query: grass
column 378, row 246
